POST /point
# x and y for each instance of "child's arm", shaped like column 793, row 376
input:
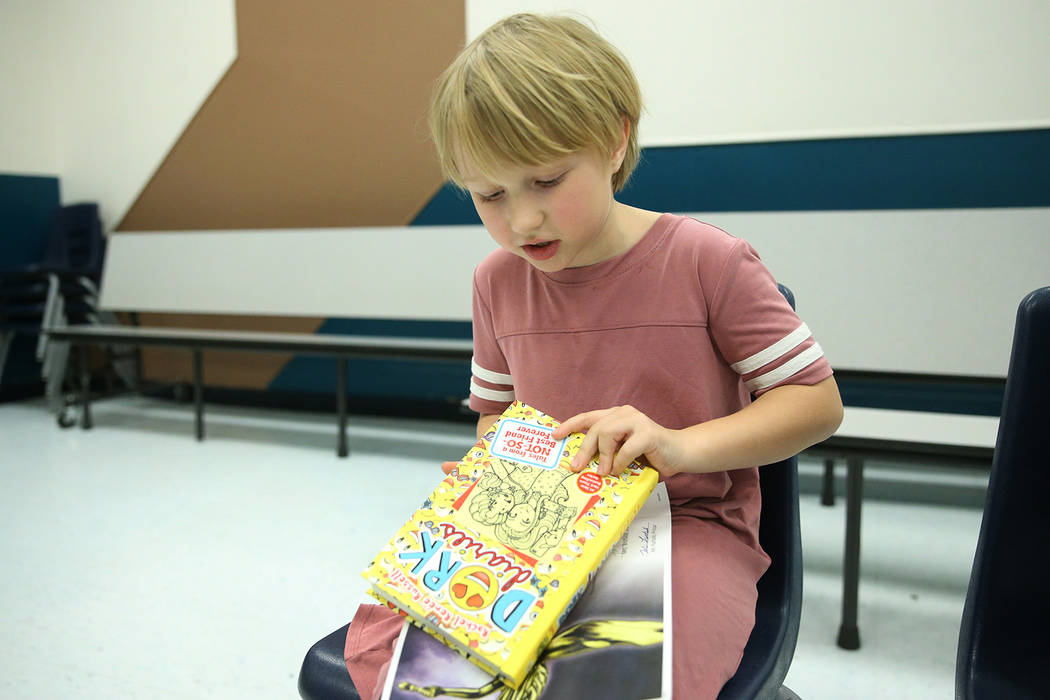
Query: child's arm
column 778, row 424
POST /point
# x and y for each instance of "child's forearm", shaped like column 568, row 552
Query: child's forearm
column 780, row 423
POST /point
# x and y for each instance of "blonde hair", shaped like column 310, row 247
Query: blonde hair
column 530, row 89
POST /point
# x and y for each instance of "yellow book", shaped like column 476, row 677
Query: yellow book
column 497, row 555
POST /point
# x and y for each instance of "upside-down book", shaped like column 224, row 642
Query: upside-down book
column 498, row 554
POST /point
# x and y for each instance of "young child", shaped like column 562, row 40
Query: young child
column 649, row 332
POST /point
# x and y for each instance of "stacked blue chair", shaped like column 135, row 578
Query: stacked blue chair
column 62, row 288
column 1004, row 646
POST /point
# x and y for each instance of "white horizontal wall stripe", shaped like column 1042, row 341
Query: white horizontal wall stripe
column 379, row 272
column 775, row 351
column 868, row 305
column 873, row 308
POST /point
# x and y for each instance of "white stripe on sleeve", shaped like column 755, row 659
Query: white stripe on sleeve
column 774, row 352
column 490, row 394
column 488, row 375
column 795, row 364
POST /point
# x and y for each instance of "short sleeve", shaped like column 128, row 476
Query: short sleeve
column 491, row 383
column 756, row 330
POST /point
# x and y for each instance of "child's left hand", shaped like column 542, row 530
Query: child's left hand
column 619, row 436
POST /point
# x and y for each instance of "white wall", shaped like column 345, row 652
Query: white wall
column 103, row 89
column 97, row 92
column 715, row 71
column 28, row 120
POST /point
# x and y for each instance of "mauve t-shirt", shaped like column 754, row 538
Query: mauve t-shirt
column 685, row 326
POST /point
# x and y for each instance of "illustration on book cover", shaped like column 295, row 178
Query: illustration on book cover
column 497, row 555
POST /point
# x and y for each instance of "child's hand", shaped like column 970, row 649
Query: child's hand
column 619, row 436
column 449, row 467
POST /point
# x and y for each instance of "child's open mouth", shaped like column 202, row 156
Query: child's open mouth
column 544, row 250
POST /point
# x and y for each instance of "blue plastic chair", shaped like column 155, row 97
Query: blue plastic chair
column 324, row 675
column 1004, row 640
column 769, row 650
column 771, row 646
column 767, row 655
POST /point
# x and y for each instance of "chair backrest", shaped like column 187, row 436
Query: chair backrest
column 1004, row 640
column 76, row 241
column 771, row 646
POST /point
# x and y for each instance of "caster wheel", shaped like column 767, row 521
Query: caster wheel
column 67, row 417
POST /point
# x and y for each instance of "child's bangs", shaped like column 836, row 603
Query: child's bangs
column 491, row 139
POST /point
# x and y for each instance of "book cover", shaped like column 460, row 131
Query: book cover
column 615, row 644
column 497, row 555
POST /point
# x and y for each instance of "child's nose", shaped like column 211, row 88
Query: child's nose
column 525, row 217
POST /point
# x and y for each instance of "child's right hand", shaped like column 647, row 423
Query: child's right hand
column 449, row 467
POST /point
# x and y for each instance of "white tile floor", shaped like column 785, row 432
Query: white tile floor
column 139, row 563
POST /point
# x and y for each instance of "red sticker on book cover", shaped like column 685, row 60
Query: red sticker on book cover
column 589, row 482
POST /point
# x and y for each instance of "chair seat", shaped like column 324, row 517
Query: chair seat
column 324, row 675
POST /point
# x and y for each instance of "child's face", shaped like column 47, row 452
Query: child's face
column 521, row 518
column 555, row 215
column 501, row 502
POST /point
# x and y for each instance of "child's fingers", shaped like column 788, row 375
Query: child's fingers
column 610, row 444
column 579, row 423
column 633, row 448
column 449, row 467
column 585, row 453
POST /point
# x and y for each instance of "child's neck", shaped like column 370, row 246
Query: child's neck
column 630, row 225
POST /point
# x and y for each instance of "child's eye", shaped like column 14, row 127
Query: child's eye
column 490, row 197
column 552, row 182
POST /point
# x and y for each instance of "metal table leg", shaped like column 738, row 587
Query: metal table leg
column 849, row 634
column 340, row 398
column 198, row 392
column 827, row 484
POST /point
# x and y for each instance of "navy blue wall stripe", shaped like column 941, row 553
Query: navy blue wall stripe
column 938, row 171
column 431, row 381
column 449, row 207
column 974, row 170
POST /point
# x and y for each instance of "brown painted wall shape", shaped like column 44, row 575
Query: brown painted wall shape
column 320, row 121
